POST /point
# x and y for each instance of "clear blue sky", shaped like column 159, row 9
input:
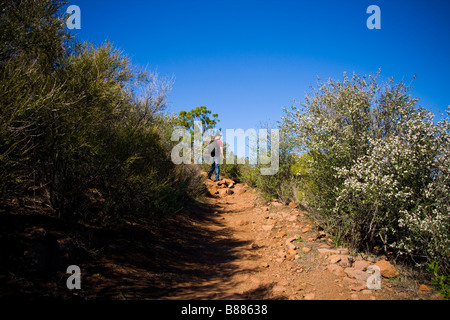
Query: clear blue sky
column 247, row 59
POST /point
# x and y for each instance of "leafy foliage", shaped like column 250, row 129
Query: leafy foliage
column 202, row 114
column 79, row 122
column 379, row 166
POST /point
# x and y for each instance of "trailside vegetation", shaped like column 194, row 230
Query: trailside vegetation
column 371, row 166
column 82, row 130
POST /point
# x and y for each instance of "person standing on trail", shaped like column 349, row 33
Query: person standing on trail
column 215, row 146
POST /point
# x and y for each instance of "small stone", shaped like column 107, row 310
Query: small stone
column 354, row 296
column 265, row 208
column 335, row 258
column 306, row 249
column 349, row 280
column 291, row 246
column 292, row 204
column 387, row 269
column 267, row 227
column 306, row 229
column 239, row 190
column 328, row 251
column 213, row 191
column 424, row 287
column 357, row 274
column 281, row 234
column 229, row 191
column 336, row 270
column 361, row 265
column 309, row 296
column 228, row 181
column 279, row 289
column 242, row 222
column 301, row 286
column 358, row 288
column 290, row 239
column 276, row 204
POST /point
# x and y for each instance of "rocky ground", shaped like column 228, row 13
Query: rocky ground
column 232, row 246
column 286, row 252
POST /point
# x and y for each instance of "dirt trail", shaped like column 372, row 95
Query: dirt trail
column 260, row 251
column 232, row 246
column 236, row 247
column 269, row 261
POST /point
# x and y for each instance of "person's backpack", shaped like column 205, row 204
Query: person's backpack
column 212, row 148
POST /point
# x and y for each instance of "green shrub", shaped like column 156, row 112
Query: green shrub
column 379, row 167
column 78, row 120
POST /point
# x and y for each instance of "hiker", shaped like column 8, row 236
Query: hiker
column 216, row 145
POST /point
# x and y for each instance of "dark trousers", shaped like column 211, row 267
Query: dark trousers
column 215, row 165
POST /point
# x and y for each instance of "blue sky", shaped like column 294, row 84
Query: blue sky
column 247, row 59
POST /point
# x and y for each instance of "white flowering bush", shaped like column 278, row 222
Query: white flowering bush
column 380, row 165
column 397, row 195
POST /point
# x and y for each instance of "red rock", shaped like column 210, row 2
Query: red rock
column 358, row 288
column 239, row 189
column 387, row 269
column 336, row 269
column 306, row 229
column 424, row 287
column 356, row 274
column 281, row 234
column 335, row 258
column 328, row 251
column 361, row 265
column 276, row 204
column 228, row 182
column 309, row 296
column 292, row 204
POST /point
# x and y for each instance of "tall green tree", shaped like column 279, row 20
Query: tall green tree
column 208, row 119
column 78, row 120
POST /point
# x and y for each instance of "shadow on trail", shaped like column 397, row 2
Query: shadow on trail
column 189, row 257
